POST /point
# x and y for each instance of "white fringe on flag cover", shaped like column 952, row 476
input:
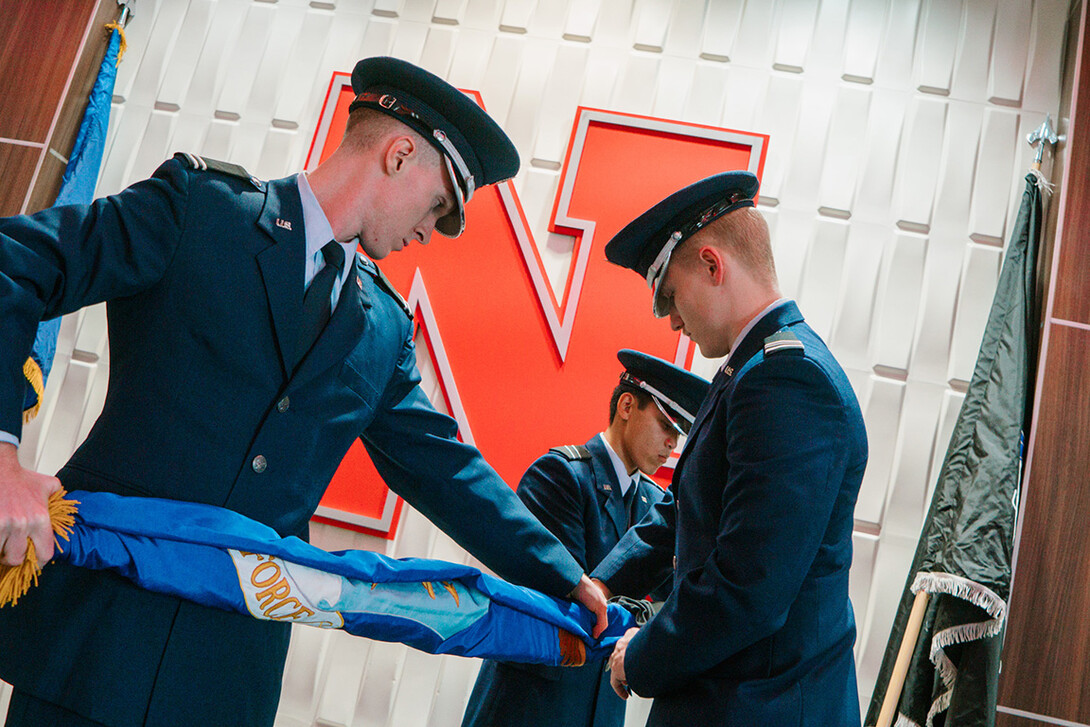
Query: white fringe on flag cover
column 976, row 594
column 1043, row 184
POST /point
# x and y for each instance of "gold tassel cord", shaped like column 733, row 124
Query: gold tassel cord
column 16, row 580
column 33, row 373
column 124, row 46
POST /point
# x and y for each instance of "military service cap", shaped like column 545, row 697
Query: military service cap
column 676, row 392
column 475, row 150
column 647, row 242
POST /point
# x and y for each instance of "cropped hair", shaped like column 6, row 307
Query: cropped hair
column 367, row 127
column 642, row 398
column 743, row 234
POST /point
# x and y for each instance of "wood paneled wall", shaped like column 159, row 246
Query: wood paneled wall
column 1046, row 659
column 50, row 51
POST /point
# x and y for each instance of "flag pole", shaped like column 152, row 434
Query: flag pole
column 904, row 657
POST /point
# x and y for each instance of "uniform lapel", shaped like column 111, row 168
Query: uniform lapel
column 343, row 331
column 281, row 263
column 643, row 502
column 779, row 317
column 606, row 484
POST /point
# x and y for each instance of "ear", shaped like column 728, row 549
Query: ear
column 399, row 150
column 625, row 402
column 713, row 263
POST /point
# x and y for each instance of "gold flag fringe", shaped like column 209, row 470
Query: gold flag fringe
column 124, row 46
column 16, row 580
column 33, row 373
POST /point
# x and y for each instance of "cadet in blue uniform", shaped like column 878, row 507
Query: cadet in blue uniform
column 758, row 629
column 588, row 496
column 230, row 385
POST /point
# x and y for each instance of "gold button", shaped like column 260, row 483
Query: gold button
column 283, row 404
column 259, row 464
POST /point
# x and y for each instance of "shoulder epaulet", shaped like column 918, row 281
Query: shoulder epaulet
column 367, row 265
column 202, row 164
column 783, row 341
column 572, row 452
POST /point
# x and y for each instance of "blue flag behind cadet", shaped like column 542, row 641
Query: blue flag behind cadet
column 963, row 558
column 219, row 558
column 77, row 187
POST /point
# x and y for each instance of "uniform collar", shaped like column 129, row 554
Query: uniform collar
column 749, row 326
column 319, row 231
column 624, row 479
column 776, row 317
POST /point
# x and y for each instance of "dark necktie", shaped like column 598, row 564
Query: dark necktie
column 316, row 306
column 629, row 500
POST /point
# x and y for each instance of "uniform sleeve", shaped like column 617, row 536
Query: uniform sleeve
column 64, row 258
column 644, row 556
column 784, row 441
column 417, row 452
column 550, row 490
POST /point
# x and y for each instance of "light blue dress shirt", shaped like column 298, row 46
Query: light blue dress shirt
column 318, row 232
column 626, row 480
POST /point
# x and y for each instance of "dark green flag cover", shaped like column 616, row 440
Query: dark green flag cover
column 963, row 558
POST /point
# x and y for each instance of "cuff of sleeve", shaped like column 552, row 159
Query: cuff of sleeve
column 9, row 438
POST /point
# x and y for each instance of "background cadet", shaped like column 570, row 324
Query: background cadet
column 588, row 496
column 758, row 629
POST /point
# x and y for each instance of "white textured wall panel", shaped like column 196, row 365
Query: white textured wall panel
column 893, row 172
column 778, row 118
column 882, row 414
column 1009, row 51
column 721, row 22
column 844, row 149
column 686, row 29
column 652, row 23
column 516, row 15
column 978, row 278
column 862, row 39
column 897, row 49
column 856, row 308
column 970, row 77
column 821, row 274
column 907, row 502
column 900, row 302
column 937, row 45
column 918, row 167
column 994, row 171
column 582, row 17
column 794, row 32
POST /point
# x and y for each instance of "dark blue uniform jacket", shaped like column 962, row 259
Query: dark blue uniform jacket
column 758, row 629
column 579, row 500
column 205, row 296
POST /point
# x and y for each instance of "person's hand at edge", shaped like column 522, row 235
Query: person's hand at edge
column 24, row 509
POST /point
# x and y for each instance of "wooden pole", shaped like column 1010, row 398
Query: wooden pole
column 904, row 657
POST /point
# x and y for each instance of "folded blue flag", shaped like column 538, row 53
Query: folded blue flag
column 219, row 558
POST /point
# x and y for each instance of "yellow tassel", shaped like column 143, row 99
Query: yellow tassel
column 124, row 46
column 33, row 373
column 16, row 580
column 450, row 587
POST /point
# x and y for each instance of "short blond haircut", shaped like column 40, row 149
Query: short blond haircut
column 743, row 234
column 368, row 127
